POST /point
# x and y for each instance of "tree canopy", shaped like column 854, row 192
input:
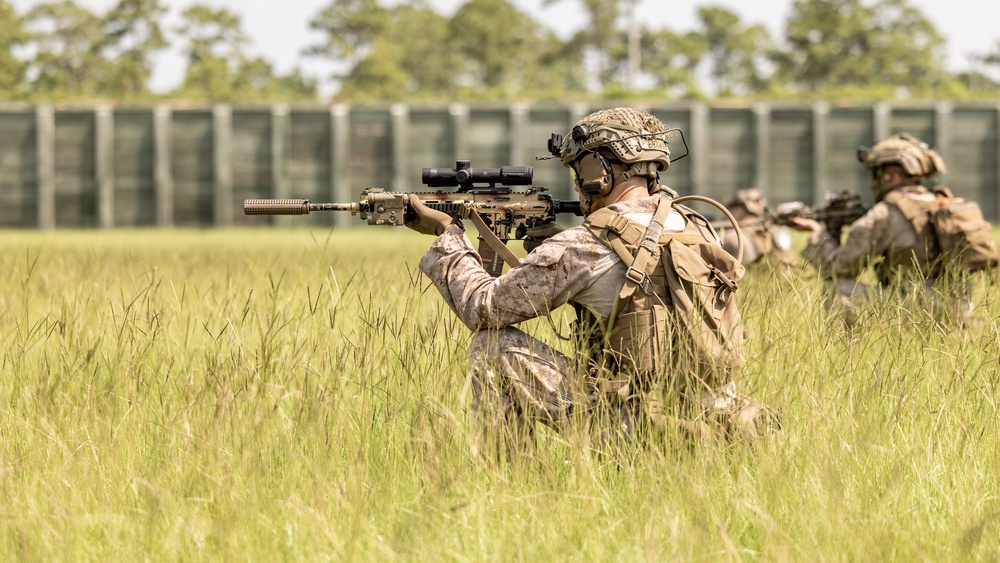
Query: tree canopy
column 390, row 50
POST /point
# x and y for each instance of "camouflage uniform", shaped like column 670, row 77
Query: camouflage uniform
column 762, row 240
column 518, row 380
column 904, row 252
column 536, row 383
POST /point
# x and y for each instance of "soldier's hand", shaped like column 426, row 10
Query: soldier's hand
column 425, row 220
column 535, row 236
column 804, row 224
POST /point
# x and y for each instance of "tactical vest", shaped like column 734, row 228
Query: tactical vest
column 676, row 310
column 918, row 213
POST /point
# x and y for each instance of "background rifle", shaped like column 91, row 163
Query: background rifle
column 498, row 212
column 842, row 208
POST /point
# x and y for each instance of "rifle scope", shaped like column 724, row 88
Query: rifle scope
column 465, row 176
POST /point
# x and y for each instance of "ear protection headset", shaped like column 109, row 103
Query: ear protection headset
column 594, row 176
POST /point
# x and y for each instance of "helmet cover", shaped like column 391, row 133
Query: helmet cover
column 632, row 135
column 752, row 199
column 911, row 154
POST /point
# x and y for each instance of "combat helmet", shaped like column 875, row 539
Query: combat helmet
column 632, row 135
column 752, row 199
column 911, row 154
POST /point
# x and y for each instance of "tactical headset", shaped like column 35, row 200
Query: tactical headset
column 593, row 172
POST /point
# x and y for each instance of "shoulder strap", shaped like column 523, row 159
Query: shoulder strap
column 616, row 231
column 636, row 276
column 916, row 212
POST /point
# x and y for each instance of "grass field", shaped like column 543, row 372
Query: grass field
column 301, row 395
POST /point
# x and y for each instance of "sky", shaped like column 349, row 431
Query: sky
column 279, row 30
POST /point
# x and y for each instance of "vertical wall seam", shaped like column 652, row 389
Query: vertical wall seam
column 45, row 146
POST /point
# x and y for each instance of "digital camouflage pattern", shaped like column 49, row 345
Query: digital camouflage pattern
column 908, row 249
column 632, row 136
column 763, row 241
column 882, row 232
column 518, row 380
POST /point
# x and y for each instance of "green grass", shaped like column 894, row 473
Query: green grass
column 302, row 395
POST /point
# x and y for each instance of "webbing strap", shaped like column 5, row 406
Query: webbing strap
column 636, row 273
column 490, row 238
column 914, row 210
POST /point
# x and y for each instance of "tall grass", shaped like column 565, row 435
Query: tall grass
column 302, row 395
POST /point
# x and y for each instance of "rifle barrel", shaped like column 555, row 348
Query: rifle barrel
column 291, row 207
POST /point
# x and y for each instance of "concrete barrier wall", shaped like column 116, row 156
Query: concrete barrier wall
column 106, row 167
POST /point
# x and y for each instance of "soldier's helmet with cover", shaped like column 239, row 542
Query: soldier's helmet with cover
column 632, row 136
column 752, row 199
column 911, row 154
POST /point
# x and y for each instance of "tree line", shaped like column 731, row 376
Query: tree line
column 491, row 50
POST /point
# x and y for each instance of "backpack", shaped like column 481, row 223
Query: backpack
column 964, row 238
column 676, row 309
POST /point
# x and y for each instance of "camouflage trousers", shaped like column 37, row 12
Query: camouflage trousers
column 518, row 381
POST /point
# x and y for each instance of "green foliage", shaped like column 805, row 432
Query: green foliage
column 350, row 28
column 737, row 53
column 12, row 70
column 837, row 46
column 299, row 395
column 838, row 50
column 603, row 36
column 132, row 35
column 65, row 63
column 219, row 68
column 670, row 59
column 411, row 52
column 506, row 54
column 406, row 53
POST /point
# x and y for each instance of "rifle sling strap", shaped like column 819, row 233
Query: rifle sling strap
column 491, row 239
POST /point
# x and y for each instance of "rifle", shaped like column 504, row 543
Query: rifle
column 842, row 208
column 497, row 211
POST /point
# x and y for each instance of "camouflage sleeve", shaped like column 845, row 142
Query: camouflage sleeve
column 866, row 240
column 547, row 278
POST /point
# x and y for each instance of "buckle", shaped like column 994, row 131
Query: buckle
column 641, row 280
column 733, row 286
